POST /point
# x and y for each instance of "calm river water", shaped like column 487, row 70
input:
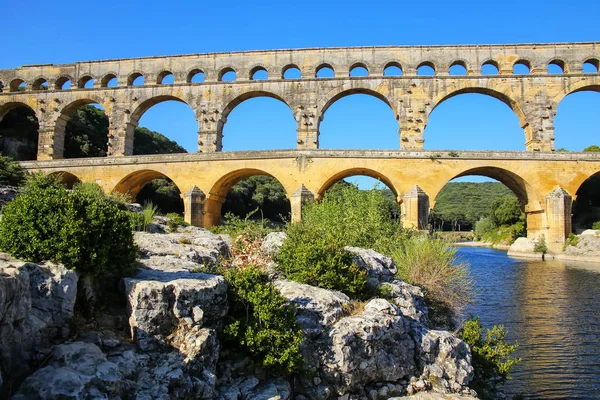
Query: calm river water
column 552, row 309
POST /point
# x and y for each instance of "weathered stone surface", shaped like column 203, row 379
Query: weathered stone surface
column 372, row 347
column 317, row 307
column 273, row 242
column 276, row 390
column 409, row 299
column 36, row 305
column 523, row 247
column 379, row 267
column 75, row 371
column 134, row 207
column 588, row 245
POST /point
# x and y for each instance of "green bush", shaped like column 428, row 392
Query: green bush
column 320, row 260
column 505, row 234
column 572, row 240
column 261, row 323
column 540, row 245
column 175, row 221
column 596, row 225
column 11, row 172
column 81, row 229
column 483, row 227
column 491, row 356
column 235, row 226
column 432, row 265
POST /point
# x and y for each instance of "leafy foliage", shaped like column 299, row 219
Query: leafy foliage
column 459, row 205
column 262, row 323
column 492, row 356
column 432, row 265
column 540, row 245
column 146, row 141
column 82, row 229
column 11, row 172
column 86, row 133
column 596, row 225
column 506, row 211
column 592, row 149
column 262, row 193
column 175, row 221
column 235, row 226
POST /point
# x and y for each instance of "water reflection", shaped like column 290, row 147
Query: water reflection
column 550, row 308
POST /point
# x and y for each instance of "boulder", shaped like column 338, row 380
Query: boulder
column 75, row 371
column 372, row 347
column 409, row 298
column 7, row 194
column 523, row 247
column 36, row 305
column 317, row 308
column 590, row 232
column 379, row 267
column 134, row 207
column 587, row 246
column 273, row 242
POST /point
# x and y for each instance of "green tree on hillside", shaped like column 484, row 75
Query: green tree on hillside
column 261, row 192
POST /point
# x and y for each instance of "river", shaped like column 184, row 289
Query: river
column 552, row 309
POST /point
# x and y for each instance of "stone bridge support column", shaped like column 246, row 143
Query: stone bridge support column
column 307, row 118
column 51, row 138
column 121, row 131
column 558, row 216
column 412, row 117
column 212, row 210
column 210, row 129
column 297, row 201
column 415, row 209
column 193, row 204
column 539, row 128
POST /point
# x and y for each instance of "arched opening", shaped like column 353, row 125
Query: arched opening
column 18, row 85
column 86, row 130
column 591, row 66
column 259, row 121
column 19, row 132
column 86, row 82
column 458, row 68
column 248, row 193
column 109, row 80
column 165, row 78
column 227, row 75
column 586, row 207
column 164, row 124
column 135, row 79
column 392, row 69
column 196, row 76
column 259, row 74
column 488, row 201
column 359, row 70
column 63, row 83
column 40, row 84
column 66, row 178
column 373, row 124
column 522, row 67
column 291, row 72
column 556, row 67
column 490, row 68
column 324, row 71
column 149, row 186
column 426, row 69
column 577, row 122
column 476, row 119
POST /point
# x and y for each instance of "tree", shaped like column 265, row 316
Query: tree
column 592, row 149
column 11, row 172
column 262, row 192
column 506, row 211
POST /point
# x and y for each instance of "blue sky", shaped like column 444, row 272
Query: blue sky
column 36, row 32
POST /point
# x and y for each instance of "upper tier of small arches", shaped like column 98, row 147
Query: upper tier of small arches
column 291, row 71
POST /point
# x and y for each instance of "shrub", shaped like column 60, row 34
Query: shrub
column 596, row 225
column 540, row 245
column 175, row 221
column 483, row 227
column 235, row 226
column 11, row 172
column 319, row 259
column 81, row 229
column 262, row 323
column 491, row 356
column 572, row 240
column 432, row 265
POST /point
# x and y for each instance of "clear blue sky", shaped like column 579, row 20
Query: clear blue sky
column 35, row 32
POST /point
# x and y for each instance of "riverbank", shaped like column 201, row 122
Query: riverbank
column 481, row 244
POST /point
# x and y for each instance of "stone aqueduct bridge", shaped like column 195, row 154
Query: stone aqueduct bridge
column 544, row 181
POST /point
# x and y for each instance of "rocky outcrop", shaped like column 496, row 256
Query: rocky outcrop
column 36, row 305
column 588, row 245
column 409, row 298
column 380, row 268
column 523, row 247
column 273, row 242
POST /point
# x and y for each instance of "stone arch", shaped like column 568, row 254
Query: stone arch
column 523, row 61
column 345, row 90
column 193, row 73
column 564, row 66
column 352, row 172
column 161, row 75
column 256, row 68
column 594, row 60
column 580, row 86
column 232, row 103
column 84, row 80
column 392, row 63
column 11, row 105
column 107, row 78
column 586, row 209
column 288, row 67
column 325, row 65
column 132, row 183
column 15, row 83
column 218, row 192
column 21, row 145
column 61, row 80
column 66, row 178
column 359, row 64
column 461, row 63
column 133, row 76
column 60, row 124
column 225, row 70
column 145, row 105
column 429, row 64
column 491, row 62
column 38, row 83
